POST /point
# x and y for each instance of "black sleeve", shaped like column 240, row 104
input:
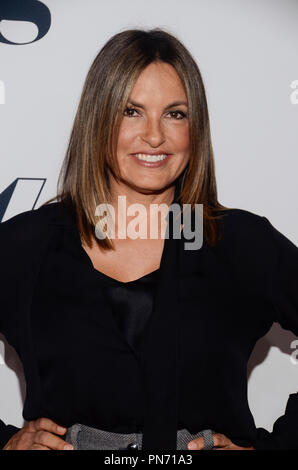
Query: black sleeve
column 6, row 432
column 284, row 295
column 9, row 257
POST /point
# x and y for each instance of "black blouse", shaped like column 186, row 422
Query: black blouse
column 131, row 303
column 183, row 366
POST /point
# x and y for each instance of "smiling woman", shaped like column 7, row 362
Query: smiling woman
column 143, row 95
column 143, row 343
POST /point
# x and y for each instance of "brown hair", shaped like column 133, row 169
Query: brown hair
column 83, row 180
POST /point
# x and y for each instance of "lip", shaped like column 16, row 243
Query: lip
column 152, row 153
column 151, row 164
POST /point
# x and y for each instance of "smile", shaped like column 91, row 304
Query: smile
column 150, row 158
column 151, row 161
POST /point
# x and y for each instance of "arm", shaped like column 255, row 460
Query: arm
column 7, row 307
column 284, row 296
column 6, row 432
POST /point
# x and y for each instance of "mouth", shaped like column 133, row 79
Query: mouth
column 151, row 160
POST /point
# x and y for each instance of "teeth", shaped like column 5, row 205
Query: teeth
column 150, row 158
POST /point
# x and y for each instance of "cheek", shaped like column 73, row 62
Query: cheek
column 126, row 136
column 180, row 138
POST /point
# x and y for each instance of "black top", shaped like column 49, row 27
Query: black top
column 190, row 367
column 67, row 267
column 131, row 303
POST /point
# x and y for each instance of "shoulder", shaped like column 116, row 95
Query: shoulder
column 243, row 224
column 238, row 222
column 30, row 224
column 237, row 215
column 252, row 240
column 248, row 238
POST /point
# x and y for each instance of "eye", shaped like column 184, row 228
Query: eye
column 129, row 109
column 182, row 114
column 129, row 113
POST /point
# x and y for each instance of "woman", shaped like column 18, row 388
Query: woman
column 139, row 342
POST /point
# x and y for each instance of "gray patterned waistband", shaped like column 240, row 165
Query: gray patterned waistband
column 87, row 438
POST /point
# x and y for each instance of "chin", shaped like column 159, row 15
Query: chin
column 149, row 187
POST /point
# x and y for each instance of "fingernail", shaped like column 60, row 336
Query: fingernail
column 192, row 445
column 68, row 447
column 61, row 429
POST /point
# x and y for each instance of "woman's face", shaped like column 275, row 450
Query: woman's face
column 153, row 124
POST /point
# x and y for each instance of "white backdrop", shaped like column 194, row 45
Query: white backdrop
column 247, row 53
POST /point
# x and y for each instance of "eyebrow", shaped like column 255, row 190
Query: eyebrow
column 171, row 105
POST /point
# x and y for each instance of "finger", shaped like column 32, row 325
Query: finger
column 220, row 440
column 235, row 447
column 50, row 440
column 196, row 444
column 47, row 425
column 7, row 447
column 38, row 447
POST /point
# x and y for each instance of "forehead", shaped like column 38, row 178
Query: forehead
column 157, row 80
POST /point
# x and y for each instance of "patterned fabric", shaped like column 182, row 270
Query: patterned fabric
column 87, row 438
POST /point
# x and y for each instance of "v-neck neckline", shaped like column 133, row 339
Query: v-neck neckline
column 109, row 281
column 163, row 278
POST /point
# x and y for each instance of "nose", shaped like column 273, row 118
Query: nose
column 153, row 133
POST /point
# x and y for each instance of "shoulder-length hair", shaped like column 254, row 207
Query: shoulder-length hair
column 83, row 179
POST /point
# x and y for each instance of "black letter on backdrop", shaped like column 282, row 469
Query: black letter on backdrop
column 26, row 10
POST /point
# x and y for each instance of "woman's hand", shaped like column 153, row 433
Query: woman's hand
column 38, row 435
column 221, row 442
